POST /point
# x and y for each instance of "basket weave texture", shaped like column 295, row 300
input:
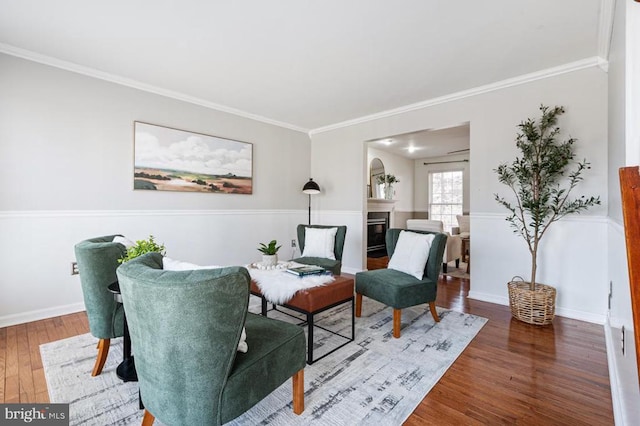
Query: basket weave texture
column 533, row 307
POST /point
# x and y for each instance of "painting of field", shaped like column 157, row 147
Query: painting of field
column 169, row 159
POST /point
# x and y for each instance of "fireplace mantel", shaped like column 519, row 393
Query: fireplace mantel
column 380, row 205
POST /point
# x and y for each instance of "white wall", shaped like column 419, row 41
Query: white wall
column 66, row 163
column 571, row 261
column 624, row 146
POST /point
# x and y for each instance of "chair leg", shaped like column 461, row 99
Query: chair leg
column 434, row 313
column 457, row 263
column 103, row 351
column 358, row 305
column 444, row 267
column 397, row 319
column 147, row 418
column 298, row 392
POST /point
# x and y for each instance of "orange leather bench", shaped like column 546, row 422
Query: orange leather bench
column 315, row 300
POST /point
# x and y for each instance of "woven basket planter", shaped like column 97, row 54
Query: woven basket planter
column 532, row 306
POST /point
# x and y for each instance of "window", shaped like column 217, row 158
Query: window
column 445, row 197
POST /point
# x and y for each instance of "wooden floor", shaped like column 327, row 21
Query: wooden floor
column 511, row 373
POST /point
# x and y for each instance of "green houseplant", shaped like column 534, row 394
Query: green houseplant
column 387, row 180
column 141, row 247
column 541, row 181
column 269, row 253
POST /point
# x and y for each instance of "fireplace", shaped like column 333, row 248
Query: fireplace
column 377, row 225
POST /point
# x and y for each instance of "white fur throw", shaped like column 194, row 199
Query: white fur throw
column 280, row 286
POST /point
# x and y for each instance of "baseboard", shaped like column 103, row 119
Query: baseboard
column 618, row 412
column 487, row 297
column 24, row 317
column 561, row 312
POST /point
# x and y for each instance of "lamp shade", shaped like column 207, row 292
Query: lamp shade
column 311, row 187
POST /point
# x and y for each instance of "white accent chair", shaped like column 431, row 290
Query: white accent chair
column 452, row 250
column 463, row 229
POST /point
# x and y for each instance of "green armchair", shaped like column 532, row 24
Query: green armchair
column 97, row 263
column 401, row 290
column 333, row 265
column 185, row 327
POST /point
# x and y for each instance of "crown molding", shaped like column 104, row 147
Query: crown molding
column 92, row 72
column 515, row 81
column 605, row 31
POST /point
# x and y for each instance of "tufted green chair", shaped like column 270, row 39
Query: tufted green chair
column 335, row 266
column 185, row 327
column 400, row 290
column 97, row 263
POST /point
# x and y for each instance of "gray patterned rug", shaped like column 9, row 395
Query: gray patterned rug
column 375, row 379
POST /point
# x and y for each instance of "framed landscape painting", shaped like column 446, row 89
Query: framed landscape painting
column 167, row 159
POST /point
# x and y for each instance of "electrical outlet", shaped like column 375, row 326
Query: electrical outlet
column 74, row 268
column 623, row 340
column 293, row 243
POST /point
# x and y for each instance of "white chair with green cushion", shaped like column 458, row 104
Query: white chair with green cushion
column 185, row 328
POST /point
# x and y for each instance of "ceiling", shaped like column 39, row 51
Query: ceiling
column 426, row 143
column 305, row 65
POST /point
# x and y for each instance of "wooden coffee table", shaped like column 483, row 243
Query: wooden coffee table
column 315, row 300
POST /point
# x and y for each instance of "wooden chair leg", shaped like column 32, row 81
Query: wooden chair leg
column 358, row 305
column 444, row 267
column 103, row 351
column 147, row 418
column 434, row 313
column 298, row 392
column 397, row 319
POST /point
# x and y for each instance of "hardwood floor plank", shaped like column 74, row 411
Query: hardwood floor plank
column 25, row 372
column 12, row 380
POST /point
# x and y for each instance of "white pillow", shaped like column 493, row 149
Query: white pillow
column 411, row 253
column 127, row 243
column 242, row 344
column 319, row 242
column 169, row 264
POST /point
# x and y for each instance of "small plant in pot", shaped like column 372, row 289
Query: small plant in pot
column 541, row 181
column 269, row 253
column 388, row 180
column 141, row 247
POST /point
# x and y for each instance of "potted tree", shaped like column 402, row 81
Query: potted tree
column 541, row 181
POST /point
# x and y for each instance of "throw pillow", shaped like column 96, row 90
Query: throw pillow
column 319, row 242
column 411, row 253
column 169, row 264
column 127, row 243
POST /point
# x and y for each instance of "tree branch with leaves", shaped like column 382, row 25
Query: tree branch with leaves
column 541, row 181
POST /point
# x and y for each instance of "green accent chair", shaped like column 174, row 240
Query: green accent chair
column 398, row 289
column 335, row 266
column 185, row 327
column 97, row 263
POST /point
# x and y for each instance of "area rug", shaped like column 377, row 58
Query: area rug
column 459, row 272
column 374, row 380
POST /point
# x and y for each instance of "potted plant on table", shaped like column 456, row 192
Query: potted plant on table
column 388, row 180
column 141, row 247
column 541, row 181
column 269, row 253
